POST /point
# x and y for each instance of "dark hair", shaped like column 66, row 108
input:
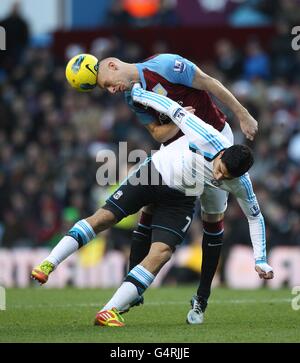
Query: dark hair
column 238, row 159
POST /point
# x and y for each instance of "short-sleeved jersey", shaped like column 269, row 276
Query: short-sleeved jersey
column 172, row 75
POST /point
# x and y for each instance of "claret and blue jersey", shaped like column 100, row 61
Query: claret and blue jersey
column 172, row 75
column 172, row 67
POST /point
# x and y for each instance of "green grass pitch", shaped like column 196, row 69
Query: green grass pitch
column 66, row 315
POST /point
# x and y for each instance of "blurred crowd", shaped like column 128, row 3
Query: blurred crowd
column 142, row 13
column 50, row 136
column 237, row 13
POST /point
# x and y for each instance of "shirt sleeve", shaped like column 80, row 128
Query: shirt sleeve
column 176, row 69
column 249, row 205
column 202, row 136
column 144, row 117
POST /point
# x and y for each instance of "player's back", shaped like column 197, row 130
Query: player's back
column 172, row 75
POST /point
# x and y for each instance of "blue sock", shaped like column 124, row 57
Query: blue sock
column 82, row 232
column 140, row 277
column 136, row 282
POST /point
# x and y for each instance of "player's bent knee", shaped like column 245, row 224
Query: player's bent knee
column 102, row 219
column 159, row 254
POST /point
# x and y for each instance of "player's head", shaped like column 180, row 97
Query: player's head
column 115, row 75
column 81, row 72
column 233, row 162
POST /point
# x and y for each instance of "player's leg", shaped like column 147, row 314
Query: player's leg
column 140, row 245
column 171, row 220
column 79, row 235
column 128, row 199
column 134, row 285
column 141, row 238
column 211, row 249
column 213, row 231
column 213, row 204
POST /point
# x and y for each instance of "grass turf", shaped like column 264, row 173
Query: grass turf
column 66, row 315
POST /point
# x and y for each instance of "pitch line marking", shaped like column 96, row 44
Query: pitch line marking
column 156, row 303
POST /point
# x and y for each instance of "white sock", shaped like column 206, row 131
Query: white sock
column 65, row 247
column 136, row 282
column 79, row 235
column 125, row 294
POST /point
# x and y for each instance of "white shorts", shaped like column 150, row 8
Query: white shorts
column 213, row 200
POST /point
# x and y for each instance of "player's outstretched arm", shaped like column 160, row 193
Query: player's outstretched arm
column 162, row 133
column 196, row 130
column 203, row 81
column 258, row 240
column 153, row 100
column 165, row 132
column 249, row 205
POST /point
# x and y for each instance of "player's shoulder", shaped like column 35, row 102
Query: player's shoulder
column 243, row 181
column 161, row 56
column 162, row 60
column 173, row 67
column 240, row 184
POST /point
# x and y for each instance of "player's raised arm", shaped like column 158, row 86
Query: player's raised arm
column 160, row 133
column 204, row 82
column 200, row 134
column 247, row 200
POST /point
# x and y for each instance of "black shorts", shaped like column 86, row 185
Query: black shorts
column 173, row 210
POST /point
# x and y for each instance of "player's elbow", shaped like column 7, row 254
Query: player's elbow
column 255, row 217
column 160, row 139
column 211, row 84
column 204, row 82
column 159, row 136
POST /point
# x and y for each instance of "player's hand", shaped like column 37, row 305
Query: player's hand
column 264, row 270
column 190, row 109
column 249, row 125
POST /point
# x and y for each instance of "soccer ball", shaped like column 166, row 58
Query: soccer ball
column 81, row 72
